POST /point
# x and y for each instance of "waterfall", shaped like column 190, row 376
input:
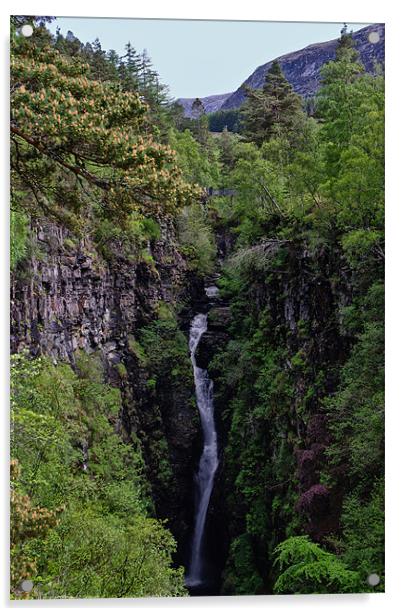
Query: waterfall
column 208, row 463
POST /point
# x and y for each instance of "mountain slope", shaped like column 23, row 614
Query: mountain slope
column 301, row 68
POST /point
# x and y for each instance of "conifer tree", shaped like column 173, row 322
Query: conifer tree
column 98, row 62
column 69, row 43
column 338, row 100
column 114, row 59
column 129, row 68
column 272, row 111
column 346, row 46
column 197, row 108
column 227, row 149
column 148, row 78
column 201, row 131
column 77, row 142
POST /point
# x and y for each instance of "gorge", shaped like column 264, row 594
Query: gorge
column 197, row 377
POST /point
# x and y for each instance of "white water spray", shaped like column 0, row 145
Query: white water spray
column 209, row 462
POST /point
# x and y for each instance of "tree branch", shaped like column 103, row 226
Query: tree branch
column 93, row 179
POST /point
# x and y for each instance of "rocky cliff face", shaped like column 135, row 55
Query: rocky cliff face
column 66, row 298
column 306, row 305
column 69, row 297
column 302, row 302
column 301, row 68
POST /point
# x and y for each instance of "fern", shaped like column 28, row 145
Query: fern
column 307, row 568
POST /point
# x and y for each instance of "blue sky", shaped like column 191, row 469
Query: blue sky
column 199, row 58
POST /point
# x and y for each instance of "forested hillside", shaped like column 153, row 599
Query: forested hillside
column 114, row 235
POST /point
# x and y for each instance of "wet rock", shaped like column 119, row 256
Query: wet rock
column 216, row 336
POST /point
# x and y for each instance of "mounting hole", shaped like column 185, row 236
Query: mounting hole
column 27, row 585
column 27, row 30
column 373, row 579
column 374, row 37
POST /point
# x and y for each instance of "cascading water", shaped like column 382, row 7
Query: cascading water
column 209, row 462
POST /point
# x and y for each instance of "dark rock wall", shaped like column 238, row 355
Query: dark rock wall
column 312, row 293
column 66, row 297
column 69, row 298
column 304, row 300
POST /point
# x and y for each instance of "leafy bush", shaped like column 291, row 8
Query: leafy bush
column 86, row 488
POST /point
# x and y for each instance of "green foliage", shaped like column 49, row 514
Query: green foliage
column 76, row 141
column 357, row 412
column 132, row 241
column 307, row 220
column 165, row 348
column 226, row 142
column 97, row 538
column 360, row 244
column 224, row 119
column 363, row 533
column 95, row 555
column 197, row 239
column 353, row 139
column 29, row 524
column 198, row 163
column 122, row 370
column 306, row 568
column 137, row 349
column 259, row 192
column 257, row 388
column 18, row 237
column 242, row 578
column 272, row 111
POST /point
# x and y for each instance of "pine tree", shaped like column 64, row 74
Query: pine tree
column 76, row 141
column 98, row 62
column 197, row 108
column 307, row 568
column 114, row 59
column 148, row 78
column 338, row 100
column 227, row 149
column 346, row 46
column 201, row 122
column 272, row 111
column 69, row 44
column 129, row 68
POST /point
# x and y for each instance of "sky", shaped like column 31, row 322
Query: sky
column 199, row 57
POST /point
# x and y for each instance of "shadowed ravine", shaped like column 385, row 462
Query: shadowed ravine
column 204, row 478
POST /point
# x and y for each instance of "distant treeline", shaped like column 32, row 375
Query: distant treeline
column 229, row 118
